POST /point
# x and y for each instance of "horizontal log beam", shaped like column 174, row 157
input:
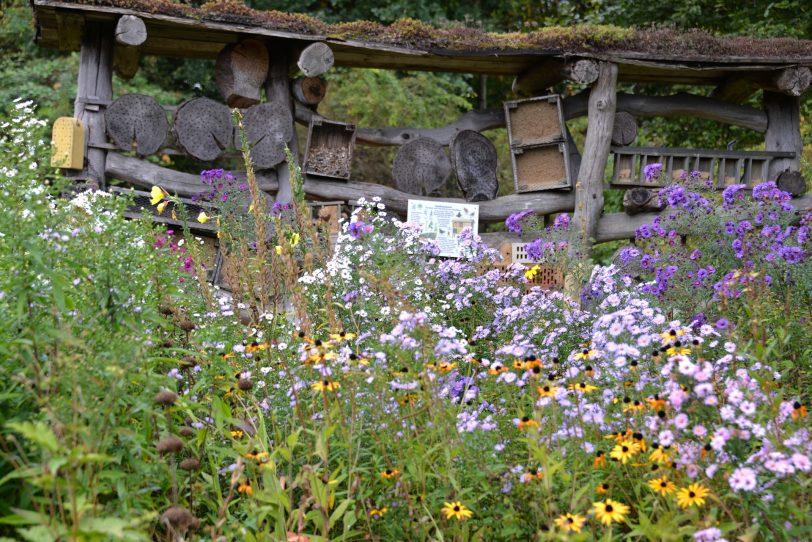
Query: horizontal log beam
column 677, row 105
column 792, row 81
column 146, row 175
column 551, row 71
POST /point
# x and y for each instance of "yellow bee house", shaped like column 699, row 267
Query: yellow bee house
column 68, row 141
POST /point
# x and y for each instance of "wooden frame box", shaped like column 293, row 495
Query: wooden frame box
column 329, row 149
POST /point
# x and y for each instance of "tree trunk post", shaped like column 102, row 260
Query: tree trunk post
column 589, row 186
column 277, row 88
column 94, row 92
column 783, row 131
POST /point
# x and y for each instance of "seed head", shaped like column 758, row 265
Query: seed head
column 169, row 445
column 166, row 397
column 190, row 463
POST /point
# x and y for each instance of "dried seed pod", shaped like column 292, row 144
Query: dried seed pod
column 245, row 384
column 170, row 444
column 168, row 343
column 166, row 397
column 180, row 519
column 190, row 463
column 187, row 431
column 186, row 325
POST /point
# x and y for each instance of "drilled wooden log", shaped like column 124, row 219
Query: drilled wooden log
column 639, row 200
column 136, row 122
column 783, row 131
column 130, row 33
column 792, row 81
column 203, row 128
column 421, row 167
column 473, row 158
column 589, row 188
column 624, row 132
column 309, row 90
column 316, row 59
column 268, row 127
column 240, row 71
column 792, row 182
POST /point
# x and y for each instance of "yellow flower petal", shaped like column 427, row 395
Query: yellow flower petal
column 162, row 206
column 202, row 217
column 157, row 194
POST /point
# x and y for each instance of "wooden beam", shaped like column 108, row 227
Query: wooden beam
column 94, row 91
column 783, row 131
column 131, row 33
column 145, row 174
column 677, row 105
column 70, row 26
column 277, row 89
column 792, row 81
column 589, row 187
column 551, row 71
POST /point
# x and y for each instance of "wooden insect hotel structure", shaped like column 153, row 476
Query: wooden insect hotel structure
column 271, row 66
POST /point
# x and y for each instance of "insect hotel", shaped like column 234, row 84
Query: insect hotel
column 270, row 65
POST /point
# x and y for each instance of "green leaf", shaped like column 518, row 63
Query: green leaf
column 36, row 534
column 38, row 433
column 339, row 511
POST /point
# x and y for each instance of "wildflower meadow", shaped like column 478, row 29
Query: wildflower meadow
column 361, row 387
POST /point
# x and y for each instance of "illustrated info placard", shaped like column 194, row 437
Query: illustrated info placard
column 444, row 222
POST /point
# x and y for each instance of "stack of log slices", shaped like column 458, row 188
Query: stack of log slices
column 423, row 168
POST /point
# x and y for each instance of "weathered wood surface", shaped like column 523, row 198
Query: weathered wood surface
column 131, row 34
column 145, row 174
column 136, row 122
column 277, row 89
column 94, row 90
column 268, row 128
column 240, row 71
column 141, row 173
column 473, row 158
column 792, row 81
column 589, row 187
column 316, row 59
column 624, row 131
column 203, row 128
column 547, row 73
column 639, row 200
column 792, row 182
column 421, row 167
column 309, row 90
column 71, row 27
column 783, row 131
column 676, row 106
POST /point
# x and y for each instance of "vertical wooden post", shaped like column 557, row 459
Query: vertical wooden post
column 277, row 88
column 589, row 186
column 94, row 92
column 783, row 131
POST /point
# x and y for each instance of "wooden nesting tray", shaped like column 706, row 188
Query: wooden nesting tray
column 723, row 166
column 329, row 150
column 538, row 145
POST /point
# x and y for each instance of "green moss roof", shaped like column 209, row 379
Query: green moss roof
column 410, row 33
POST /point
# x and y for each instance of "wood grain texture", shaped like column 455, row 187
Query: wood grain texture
column 421, row 167
column 473, row 159
column 783, row 131
column 309, row 90
column 240, row 71
column 136, row 122
column 268, row 127
column 277, row 89
column 624, row 132
column 589, row 187
column 203, row 128
column 316, row 59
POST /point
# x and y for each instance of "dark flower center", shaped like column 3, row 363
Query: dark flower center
column 456, row 508
column 663, row 484
column 326, row 382
column 609, row 508
column 625, row 449
column 692, row 494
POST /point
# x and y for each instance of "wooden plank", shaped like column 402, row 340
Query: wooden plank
column 589, row 187
column 277, row 89
column 70, row 27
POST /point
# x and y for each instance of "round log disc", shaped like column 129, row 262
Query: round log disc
column 792, row 182
column 137, row 123
column 240, row 71
column 203, row 128
column 473, row 158
column 316, row 59
column 268, row 127
column 624, row 131
column 309, row 90
column 421, row 167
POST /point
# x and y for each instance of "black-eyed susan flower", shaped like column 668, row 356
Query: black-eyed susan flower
column 663, row 485
column 257, row 455
column 237, row 434
column 582, row 387
column 608, row 511
column 547, row 390
column 378, row 513
column 655, row 403
column 634, row 406
column 342, row 336
column 678, row 351
column 570, row 522
column 388, row 474
column 623, row 451
column 600, row 459
column 586, row 353
column 531, row 475
column 658, row 454
column 693, row 495
column 602, row 488
column 799, row 411
column 325, row 385
column 456, row 510
column 497, row 368
column 641, row 442
column 526, row 422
